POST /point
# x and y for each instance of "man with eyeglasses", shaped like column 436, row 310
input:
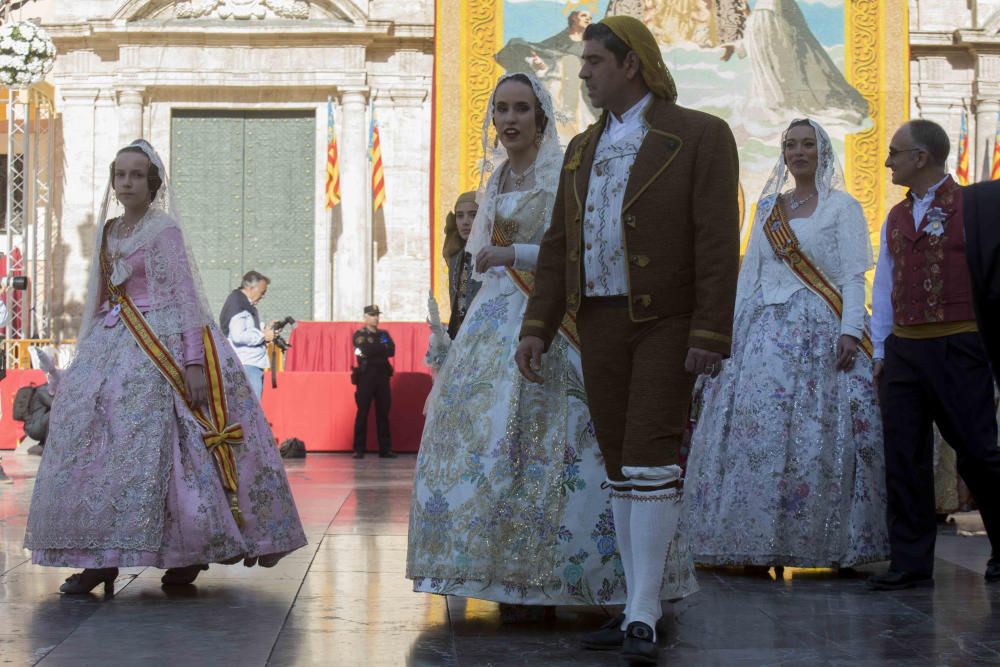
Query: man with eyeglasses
column 930, row 364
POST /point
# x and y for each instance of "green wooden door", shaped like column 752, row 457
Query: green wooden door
column 244, row 183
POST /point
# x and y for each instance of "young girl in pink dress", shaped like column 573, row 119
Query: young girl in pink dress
column 129, row 477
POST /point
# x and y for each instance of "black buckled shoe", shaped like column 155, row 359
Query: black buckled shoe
column 358, row 455
column 608, row 637
column 639, row 647
column 993, row 570
column 387, row 455
column 896, row 580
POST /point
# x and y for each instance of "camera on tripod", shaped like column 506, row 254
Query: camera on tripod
column 17, row 283
column 279, row 340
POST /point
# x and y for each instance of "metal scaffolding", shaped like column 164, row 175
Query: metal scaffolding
column 30, row 162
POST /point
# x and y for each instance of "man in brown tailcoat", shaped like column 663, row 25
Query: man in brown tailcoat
column 644, row 251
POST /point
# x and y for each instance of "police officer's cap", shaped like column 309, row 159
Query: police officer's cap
column 372, row 310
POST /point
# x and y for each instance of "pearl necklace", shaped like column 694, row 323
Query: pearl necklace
column 520, row 178
column 795, row 203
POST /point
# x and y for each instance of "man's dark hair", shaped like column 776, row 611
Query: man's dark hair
column 931, row 137
column 251, row 278
column 606, row 36
column 153, row 178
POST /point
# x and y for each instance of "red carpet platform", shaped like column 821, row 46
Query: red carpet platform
column 314, row 400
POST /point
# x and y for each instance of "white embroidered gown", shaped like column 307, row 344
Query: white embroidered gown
column 786, row 464
column 507, row 502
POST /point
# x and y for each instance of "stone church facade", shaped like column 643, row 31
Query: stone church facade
column 955, row 71
column 234, row 95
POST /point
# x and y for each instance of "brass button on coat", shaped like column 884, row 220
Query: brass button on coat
column 643, row 300
column 630, row 220
column 640, row 260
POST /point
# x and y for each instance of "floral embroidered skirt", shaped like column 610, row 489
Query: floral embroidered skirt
column 786, row 464
column 507, row 502
column 126, row 479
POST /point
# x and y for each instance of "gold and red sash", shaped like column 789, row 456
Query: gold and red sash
column 219, row 434
column 525, row 281
column 786, row 246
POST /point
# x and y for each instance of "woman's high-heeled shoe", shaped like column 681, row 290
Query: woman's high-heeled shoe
column 182, row 576
column 82, row 583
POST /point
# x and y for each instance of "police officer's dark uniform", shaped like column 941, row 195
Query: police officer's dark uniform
column 372, row 350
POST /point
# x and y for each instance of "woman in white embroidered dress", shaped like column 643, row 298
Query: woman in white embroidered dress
column 127, row 479
column 786, row 465
column 507, row 504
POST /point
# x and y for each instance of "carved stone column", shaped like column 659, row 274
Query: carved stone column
column 75, row 228
column 987, row 90
column 130, row 103
column 402, row 280
column 352, row 260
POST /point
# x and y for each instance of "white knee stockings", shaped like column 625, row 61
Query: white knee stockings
column 645, row 523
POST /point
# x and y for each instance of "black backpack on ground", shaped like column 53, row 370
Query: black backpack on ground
column 293, row 448
column 22, row 402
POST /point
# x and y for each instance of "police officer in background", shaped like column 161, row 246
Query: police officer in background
column 372, row 349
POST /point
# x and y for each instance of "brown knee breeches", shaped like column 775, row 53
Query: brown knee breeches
column 637, row 388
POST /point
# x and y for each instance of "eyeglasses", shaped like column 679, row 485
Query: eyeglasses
column 893, row 152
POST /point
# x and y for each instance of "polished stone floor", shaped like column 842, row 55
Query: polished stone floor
column 343, row 601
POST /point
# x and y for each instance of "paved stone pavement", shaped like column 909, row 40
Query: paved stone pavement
column 343, row 600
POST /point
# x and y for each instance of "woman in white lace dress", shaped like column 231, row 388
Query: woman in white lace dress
column 786, row 464
column 506, row 502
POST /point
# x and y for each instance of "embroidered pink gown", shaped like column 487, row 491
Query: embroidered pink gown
column 126, row 479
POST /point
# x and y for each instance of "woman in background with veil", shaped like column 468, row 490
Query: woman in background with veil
column 507, row 502
column 132, row 476
column 786, row 465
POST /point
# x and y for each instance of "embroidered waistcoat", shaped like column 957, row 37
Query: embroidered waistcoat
column 930, row 277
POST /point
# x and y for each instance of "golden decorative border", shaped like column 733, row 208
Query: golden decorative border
column 464, row 79
column 876, row 62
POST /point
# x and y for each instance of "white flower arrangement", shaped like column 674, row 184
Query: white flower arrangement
column 26, row 54
column 935, row 221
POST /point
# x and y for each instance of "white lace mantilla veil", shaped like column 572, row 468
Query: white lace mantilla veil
column 829, row 179
column 169, row 261
column 548, row 164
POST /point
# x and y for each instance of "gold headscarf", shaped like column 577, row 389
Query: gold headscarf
column 453, row 243
column 638, row 38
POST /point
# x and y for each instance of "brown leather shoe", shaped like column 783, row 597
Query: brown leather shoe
column 896, row 580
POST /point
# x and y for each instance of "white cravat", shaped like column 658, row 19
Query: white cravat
column 630, row 120
column 604, row 262
column 922, row 204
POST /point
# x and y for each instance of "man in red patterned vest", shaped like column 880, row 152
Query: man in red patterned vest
column 930, row 364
